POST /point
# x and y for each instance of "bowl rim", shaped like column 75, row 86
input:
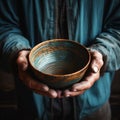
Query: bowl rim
column 56, row 40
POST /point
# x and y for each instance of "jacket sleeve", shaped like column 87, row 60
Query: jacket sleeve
column 11, row 38
column 108, row 42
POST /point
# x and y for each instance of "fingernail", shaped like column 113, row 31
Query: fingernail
column 74, row 90
column 95, row 69
column 45, row 88
column 67, row 95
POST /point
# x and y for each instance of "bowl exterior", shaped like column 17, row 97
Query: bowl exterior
column 58, row 81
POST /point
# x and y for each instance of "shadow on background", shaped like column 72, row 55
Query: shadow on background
column 115, row 97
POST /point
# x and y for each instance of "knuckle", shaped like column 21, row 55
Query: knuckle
column 19, row 60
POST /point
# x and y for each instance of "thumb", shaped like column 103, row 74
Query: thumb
column 22, row 60
column 97, row 61
column 95, row 68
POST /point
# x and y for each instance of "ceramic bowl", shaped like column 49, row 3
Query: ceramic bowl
column 59, row 63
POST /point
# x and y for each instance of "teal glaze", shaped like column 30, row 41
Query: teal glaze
column 59, row 63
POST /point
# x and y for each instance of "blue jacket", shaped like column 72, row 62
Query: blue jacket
column 93, row 23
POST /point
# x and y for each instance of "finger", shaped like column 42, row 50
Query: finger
column 87, row 82
column 72, row 94
column 59, row 94
column 51, row 93
column 69, row 93
column 22, row 61
column 66, row 93
column 39, row 86
column 32, row 83
column 81, row 86
column 95, row 68
column 97, row 61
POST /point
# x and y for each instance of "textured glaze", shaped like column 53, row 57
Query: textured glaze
column 59, row 63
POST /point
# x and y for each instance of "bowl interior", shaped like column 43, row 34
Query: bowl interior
column 59, row 57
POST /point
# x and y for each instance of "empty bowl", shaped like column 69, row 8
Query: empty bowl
column 59, row 63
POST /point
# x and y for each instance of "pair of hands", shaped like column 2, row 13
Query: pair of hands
column 92, row 75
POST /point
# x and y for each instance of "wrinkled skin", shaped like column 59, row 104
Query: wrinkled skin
column 90, row 78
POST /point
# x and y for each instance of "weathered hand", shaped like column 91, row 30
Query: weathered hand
column 40, row 88
column 92, row 75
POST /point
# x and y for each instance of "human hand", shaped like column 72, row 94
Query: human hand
column 92, row 75
column 28, row 80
